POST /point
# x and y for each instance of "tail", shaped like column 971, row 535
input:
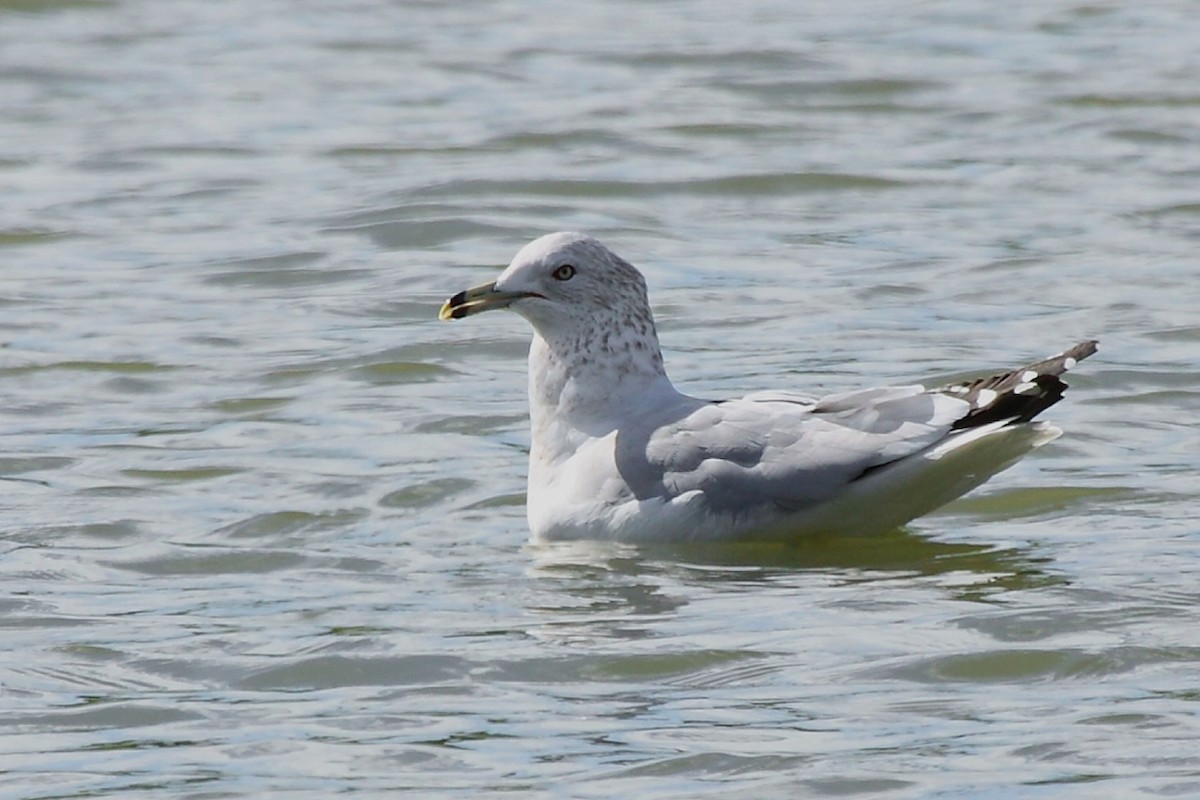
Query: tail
column 906, row 489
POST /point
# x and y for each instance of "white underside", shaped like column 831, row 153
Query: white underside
column 881, row 501
column 921, row 483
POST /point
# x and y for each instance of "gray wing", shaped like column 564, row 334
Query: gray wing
column 780, row 453
column 786, row 451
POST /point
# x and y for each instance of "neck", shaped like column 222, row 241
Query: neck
column 581, row 378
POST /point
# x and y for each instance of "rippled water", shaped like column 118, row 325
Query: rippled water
column 263, row 515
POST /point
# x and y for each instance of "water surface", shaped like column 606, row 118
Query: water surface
column 263, row 525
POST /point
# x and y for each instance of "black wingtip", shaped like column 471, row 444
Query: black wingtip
column 1082, row 350
column 1019, row 395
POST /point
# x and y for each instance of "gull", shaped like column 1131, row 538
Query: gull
column 618, row 453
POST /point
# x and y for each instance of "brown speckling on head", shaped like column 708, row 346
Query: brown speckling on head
column 595, row 337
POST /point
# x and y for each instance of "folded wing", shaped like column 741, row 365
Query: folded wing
column 783, row 453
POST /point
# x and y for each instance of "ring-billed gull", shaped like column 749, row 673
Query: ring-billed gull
column 618, row 453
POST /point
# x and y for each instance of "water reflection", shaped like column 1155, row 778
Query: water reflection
column 899, row 551
column 614, row 590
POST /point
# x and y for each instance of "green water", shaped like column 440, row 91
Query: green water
column 263, row 526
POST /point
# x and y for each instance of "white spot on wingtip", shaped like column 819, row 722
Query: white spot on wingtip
column 1028, row 375
column 958, row 389
column 1026, row 388
column 1069, row 362
column 985, row 397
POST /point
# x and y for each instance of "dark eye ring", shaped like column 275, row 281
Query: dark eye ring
column 564, row 273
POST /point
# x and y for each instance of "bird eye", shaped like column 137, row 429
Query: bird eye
column 564, row 273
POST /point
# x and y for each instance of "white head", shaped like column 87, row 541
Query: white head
column 569, row 286
column 595, row 337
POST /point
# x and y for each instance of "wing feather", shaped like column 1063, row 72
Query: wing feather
column 749, row 453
